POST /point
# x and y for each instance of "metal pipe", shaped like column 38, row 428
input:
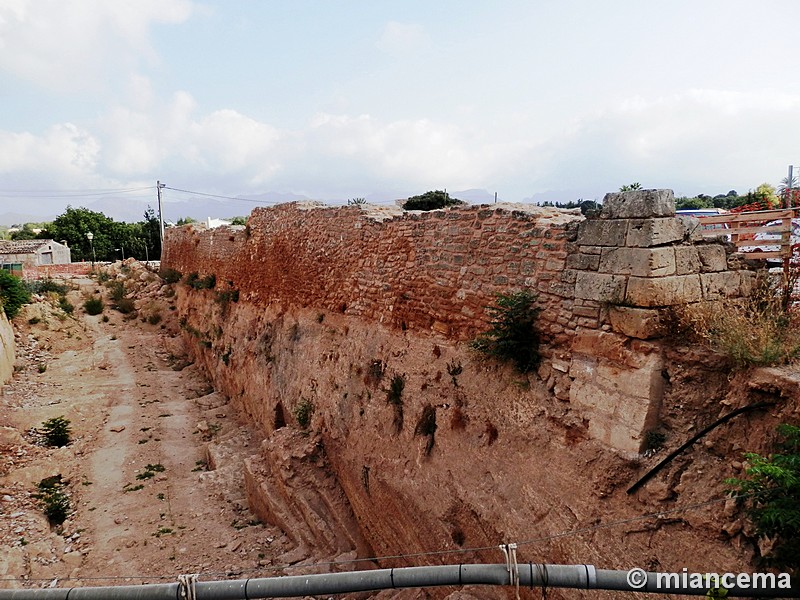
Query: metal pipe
column 530, row 575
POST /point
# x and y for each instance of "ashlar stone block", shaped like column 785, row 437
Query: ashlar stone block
column 663, row 291
column 600, row 286
column 726, row 284
column 712, row 258
column 687, row 260
column 640, row 323
column 638, row 204
column 602, row 232
column 646, row 233
column 642, row 262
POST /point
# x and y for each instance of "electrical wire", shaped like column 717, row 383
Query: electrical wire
column 374, row 559
column 55, row 194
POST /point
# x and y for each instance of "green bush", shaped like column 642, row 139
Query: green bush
column 512, row 336
column 43, row 286
column 770, row 491
column 56, row 431
column 55, row 502
column 13, row 293
column 66, row 305
column 93, row 306
column 431, row 201
column 170, row 275
column 303, row 412
column 117, row 290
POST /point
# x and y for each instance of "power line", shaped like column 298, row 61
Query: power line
column 69, row 193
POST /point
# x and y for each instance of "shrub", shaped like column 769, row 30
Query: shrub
column 56, row 431
column 154, row 319
column 66, row 305
column 426, row 427
column 194, row 281
column 303, row 412
column 394, row 396
column 117, row 290
column 170, row 275
column 34, row 320
column 125, row 305
column 55, row 501
column 770, row 491
column 13, row 294
column 431, row 201
column 512, row 336
column 42, row 367
column 43, row 286
column 93, row 306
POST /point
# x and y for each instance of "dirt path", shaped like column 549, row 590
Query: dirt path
column 144, row 503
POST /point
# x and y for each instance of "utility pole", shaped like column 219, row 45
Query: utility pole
column 159, row 187
column 789, row 187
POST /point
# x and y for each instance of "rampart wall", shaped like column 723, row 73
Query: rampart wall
column 603, row 284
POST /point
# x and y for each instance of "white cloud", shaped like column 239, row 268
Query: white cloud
column 70, row 44
column 65, row 151
column 694, row 141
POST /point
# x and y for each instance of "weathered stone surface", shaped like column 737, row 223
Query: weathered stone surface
column 599, row 286
column 692, row 227
column 619, row 402
column 726, row 284
column 663, row 291
column 712, row 257
column 6, row 349
column 583, row 262
column 645, row 233
column 643, row 262
column 641, row 323
column 602, row 232
column 687, row 260
column 638, row 204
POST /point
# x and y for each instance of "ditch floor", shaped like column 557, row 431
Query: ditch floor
column 146, row 430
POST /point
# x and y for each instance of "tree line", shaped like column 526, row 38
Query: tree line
column 110, row 240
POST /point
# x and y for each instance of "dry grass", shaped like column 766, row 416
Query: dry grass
column 758, row 331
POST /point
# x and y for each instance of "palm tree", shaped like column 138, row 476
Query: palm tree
column 788, row 188
column 631, row 187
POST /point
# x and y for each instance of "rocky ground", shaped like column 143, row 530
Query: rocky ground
column 153, row 467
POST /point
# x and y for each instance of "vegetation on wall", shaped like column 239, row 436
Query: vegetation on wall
column 770, row 492
column 512, row 335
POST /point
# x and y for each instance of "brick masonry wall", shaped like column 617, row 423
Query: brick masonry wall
column 46, row 271
column 430, row 271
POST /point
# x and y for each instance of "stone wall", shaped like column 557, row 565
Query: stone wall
column 434, row 271
column 632, row 266
column 603, row 284
column 7, row 352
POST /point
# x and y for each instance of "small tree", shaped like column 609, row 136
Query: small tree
column 56, row 431
column 770, row 490
column 13, row 293
column 431, row 201
column 512, row 336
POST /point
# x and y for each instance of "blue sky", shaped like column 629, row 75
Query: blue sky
column 333, row 100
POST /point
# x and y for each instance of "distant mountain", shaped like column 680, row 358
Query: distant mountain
column 197, row 207
column 11, row 218
column 475, row 196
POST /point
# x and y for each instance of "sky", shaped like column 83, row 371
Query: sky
column 535, row 99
